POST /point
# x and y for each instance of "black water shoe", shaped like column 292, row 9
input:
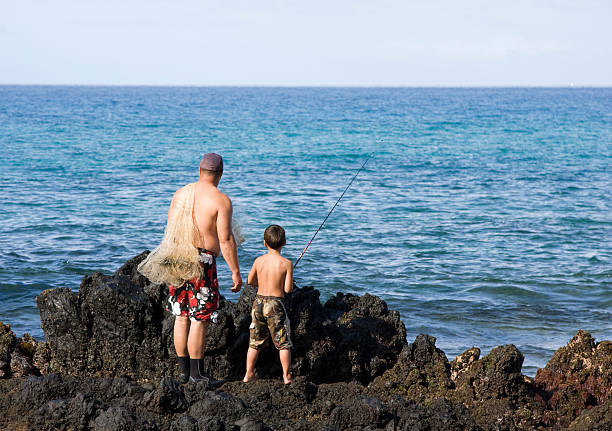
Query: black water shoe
column 197, row 374
column 198, row 379
column 213, row 383
column 196, row 367
column 183, row 378
column 184, row 366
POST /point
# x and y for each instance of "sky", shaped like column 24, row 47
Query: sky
column 307, row 42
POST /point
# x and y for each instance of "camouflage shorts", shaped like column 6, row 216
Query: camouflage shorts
column 269, row 317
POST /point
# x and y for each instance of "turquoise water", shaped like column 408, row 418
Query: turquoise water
column 484, row 216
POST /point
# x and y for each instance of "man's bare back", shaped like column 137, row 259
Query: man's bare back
column 212, row 213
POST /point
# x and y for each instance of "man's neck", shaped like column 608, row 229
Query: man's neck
column 207, row 181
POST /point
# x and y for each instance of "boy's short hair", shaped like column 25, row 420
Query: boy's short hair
column 274, row 236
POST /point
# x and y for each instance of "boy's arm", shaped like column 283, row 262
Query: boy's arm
column 252, row 279
column 289, row 278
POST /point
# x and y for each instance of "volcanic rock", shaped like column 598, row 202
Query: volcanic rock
column 422, row 373
column 577, row 377
column 167, row 398
column 7, row 345
column 462, row 362
column 108, row 361
column 16, row 354
column 115, row 326
column 597, row 418
column 495, row 391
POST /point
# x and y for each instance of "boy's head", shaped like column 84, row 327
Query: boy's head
column 274, row 236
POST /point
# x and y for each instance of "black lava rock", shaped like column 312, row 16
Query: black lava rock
column 115, row 325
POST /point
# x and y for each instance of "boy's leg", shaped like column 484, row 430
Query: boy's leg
column 258, row 334
column 279, row 326
column 285, row 358
column 250, row 364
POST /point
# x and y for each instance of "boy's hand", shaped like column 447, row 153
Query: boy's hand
column 236, row 282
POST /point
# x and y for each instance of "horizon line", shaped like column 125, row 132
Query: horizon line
column 535, row 86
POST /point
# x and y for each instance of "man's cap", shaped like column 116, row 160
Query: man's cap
column 212, row 162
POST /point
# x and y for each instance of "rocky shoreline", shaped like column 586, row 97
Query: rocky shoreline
column 108, row 364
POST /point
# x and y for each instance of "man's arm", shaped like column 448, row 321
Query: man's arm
column 252, row 278
column 228, row 243
column 289, row 278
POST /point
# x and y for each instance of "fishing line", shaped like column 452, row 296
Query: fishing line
column 330, row 211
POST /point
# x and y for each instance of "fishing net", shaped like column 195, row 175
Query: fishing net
column 176, row 259
column 237, row 232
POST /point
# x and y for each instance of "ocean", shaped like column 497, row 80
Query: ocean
column 484, row 215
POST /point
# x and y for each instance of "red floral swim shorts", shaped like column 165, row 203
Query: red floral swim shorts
column 197, row 298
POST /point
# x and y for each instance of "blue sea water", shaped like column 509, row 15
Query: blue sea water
column 484, row 216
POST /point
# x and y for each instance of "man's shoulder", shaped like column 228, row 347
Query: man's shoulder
column 214, row 196
column 225, row 198
column 180, row 192
column 219, row 196
column 184, row 188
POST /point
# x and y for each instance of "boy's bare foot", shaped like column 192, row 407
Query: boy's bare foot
column 287, row 379
column 249, row 378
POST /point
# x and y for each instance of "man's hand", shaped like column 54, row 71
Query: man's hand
column 236, row 282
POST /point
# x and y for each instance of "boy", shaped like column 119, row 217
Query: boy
column 273, row 276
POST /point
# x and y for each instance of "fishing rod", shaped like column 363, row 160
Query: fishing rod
column 330, row 211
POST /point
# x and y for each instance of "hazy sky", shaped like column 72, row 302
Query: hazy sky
column 307, row 42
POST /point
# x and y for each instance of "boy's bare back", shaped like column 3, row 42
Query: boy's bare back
column 272, row 274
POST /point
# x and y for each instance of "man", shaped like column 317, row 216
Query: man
column 199, row 227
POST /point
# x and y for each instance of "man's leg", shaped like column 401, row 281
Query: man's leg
column 285, row 358
column 250, row 364
column 181, row 332
column 196, row 345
